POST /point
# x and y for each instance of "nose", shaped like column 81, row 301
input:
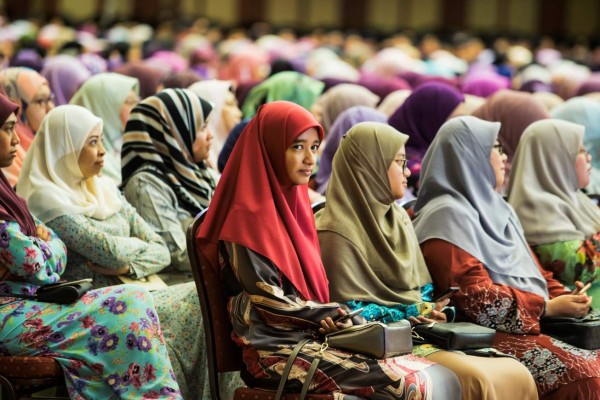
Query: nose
column 310, row 158
column 49, row 105
column 15, row 138
column 209, row 134
column 504, row 157
column 407, row 172
column 589, row 157
column 101, row 149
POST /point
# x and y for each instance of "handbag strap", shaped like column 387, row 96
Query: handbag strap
column 288, row 367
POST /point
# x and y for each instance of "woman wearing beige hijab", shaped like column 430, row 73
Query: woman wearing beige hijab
column 550, row 167
column 372, row 256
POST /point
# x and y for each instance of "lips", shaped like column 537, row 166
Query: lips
column 307, row 172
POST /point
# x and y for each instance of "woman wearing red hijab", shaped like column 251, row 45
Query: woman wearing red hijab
column 274, row 273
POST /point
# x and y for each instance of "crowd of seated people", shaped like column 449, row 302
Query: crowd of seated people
column 107, row 157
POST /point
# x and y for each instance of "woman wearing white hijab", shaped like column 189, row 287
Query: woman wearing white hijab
column 472, row 238
column 104, row 234
column 111, row 97
column 551, row 166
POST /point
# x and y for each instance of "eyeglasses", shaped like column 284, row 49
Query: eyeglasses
column 402, row 163
column 43, row 102
column 499, row 148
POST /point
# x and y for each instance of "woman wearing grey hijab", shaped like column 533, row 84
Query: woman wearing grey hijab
column 550, row 167
column 471, row 238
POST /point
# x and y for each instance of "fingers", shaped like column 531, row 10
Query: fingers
column 438, row 316
column 441, row 304
column 327, row 325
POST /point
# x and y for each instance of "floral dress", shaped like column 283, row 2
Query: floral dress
column 574, row 260
column 109, row 343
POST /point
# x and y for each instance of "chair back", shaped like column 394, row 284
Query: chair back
column 222, row 353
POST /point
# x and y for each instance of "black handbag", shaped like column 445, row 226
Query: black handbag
column 579, row 332
column 59, row 293
column 454, row 335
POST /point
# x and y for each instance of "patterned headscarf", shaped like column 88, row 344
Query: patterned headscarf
column 161, row 131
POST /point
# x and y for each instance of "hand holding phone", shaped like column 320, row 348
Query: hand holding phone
column 346, row 317
column 446, row 294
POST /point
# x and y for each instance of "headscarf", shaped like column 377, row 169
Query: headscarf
column 420, row 117
column 360, row 207
column 232, row 139
column 590, row 85
column 548, row 99
column 381, row 86
column 484, row 85
column 65, row 75
column 288, row 85
column 161, row 131
column 393, row 101
column 544, row 187
column 260, row 209
column 585, row 111
column 55, row 184
column 21, row 85
column 515, row 111
column 342, row 125
column 215, row 92
column 341, row 97
column 12, row 207
column 114, row 88
column 150, row 78
column 181, row 79
column 458, row 203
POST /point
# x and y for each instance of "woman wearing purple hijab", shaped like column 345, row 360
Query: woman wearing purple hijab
column 342, row 124
column 420, row 117
column 65, row 74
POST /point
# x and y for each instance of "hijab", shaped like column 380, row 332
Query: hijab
column 161, row 131
column 342, row 125
column 340, row 98
column 65, row 75
column 544, row 181
column 149, row 77
column 56, row 185
column 393, row 101
column 114, row 88
column 360, row 207
column 215, row 92
column 422, row 114
column 515, row 111
column 459, row 204
column 288, row 85
column 13, row 207
column 260, row 209
column 232, row 139
column 585, row 111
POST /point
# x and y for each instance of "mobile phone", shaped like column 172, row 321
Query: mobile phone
column 443, row 296
column 346, row 317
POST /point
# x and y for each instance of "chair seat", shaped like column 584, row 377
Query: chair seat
column 245, row 393
column 14, row 367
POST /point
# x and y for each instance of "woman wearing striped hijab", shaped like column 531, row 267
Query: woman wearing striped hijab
column 165, row 176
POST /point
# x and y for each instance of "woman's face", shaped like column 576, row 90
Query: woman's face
column 300, row 157
column 91, row 158
column 8, row 141
column 39, row 106
column 202, row 144
column 498, row 160
column 583, row 168
column 231, row 113
column 130, row 101
column 398, row 174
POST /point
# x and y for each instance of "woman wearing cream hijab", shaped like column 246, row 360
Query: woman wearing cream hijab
column 372, row 256
column 104, row 234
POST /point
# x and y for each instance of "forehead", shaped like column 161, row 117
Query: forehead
column 310, row 135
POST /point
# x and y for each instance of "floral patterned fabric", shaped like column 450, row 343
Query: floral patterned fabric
column 116, row 351
column 515, row 315
column 574, row 260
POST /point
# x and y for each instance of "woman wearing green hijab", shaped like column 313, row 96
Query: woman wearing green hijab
column 288, row 85
column 373, row 260
column 110, row 96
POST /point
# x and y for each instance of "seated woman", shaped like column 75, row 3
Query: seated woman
column 104, row 234
column 102, row 348
column 31, row 92
column 165, row 146
column 120, row 94
column 472, row 238
column 549, row 169
column 373, row 260
column 273, row 270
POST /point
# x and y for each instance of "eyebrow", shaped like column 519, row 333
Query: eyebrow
column 304, row 141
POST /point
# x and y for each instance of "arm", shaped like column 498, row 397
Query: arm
column 156, row 203
column 489, row 304
column 275, row 299
column 29, row 258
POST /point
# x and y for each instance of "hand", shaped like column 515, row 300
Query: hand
column 568, row 305
column 436, row 316
column 42, row 232
column 107, row 271
column 329, row 326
